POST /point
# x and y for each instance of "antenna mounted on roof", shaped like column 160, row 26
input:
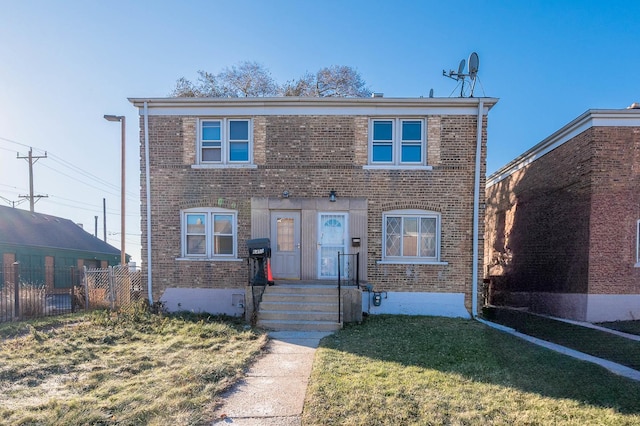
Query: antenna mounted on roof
column 474, row 63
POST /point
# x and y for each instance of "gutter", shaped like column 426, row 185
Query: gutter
column 476, row 209
column 147, row 178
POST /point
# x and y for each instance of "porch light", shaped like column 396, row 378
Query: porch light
column 332, row 196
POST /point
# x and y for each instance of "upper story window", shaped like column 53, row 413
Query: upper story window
column 638, row 244
column 225, row 141
column 209, row 233
column 411, row 236
column 397, row 142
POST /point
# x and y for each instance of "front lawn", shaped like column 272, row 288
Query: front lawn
column 402, row 370
column 588, row 340
column 631, row 327
column 127, row 369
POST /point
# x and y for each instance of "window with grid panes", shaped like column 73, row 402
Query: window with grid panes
column 411, row 235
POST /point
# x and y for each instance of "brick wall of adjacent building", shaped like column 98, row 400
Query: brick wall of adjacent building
column 565, row 223
column 615, row 210
column 538, row 222
column 309, row 156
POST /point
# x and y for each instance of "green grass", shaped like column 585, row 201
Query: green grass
column 130, row 368
column 593, row 342
column 402, row 370
column 631, row 327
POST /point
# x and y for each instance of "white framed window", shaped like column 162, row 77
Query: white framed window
column 638, row 244
column 411, row 236
column 225, row 141
column 209, row 233
column 397, row 142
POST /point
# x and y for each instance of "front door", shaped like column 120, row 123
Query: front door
column 332, row 239
column 285, row 245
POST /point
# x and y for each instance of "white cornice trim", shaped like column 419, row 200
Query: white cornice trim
column 312, row 106
column 591, row 118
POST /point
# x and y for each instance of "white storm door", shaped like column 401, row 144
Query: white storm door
column 332, row 238
column 285, row 245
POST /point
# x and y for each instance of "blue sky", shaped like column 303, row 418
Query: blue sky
column 65, row 64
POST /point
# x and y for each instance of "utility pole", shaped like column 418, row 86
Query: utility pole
column 104, row 219
column 32, row 159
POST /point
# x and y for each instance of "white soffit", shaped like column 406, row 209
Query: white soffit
column 312, row 106
column 591, row 118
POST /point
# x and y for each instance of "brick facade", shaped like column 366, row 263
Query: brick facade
column 308, row 155
column 563, row 222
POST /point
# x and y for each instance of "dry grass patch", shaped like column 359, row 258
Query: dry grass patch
column 402, row 370
column 127, row 369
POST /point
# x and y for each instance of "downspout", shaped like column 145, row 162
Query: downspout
column 476, row 209
column 147, row 178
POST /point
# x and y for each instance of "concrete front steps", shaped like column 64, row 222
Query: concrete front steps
column 299, row 307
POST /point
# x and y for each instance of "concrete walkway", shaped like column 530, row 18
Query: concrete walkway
column 273, row 391
column 615, row 368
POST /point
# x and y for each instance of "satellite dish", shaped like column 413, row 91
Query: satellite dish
column 474, row 62
column 461, row 77
column 431, row 93
column 461, row 67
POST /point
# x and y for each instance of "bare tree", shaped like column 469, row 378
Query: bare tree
column 341, row 81
column 248, row 79
column 304, row 86
column 335, row 81
column 251, row 79
column 185, row 89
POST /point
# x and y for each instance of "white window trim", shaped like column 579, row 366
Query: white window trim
column 224, row 162
column 208, row 255
column 396, row 144
column 637, row 265
column 411, row 260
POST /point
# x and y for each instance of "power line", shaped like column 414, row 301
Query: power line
column 72, row 167
column 87, row 174
column 53, row 200
column 131, row 198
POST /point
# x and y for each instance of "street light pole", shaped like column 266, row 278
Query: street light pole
column 122, row 120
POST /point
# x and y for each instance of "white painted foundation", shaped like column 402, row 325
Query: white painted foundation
column 613, row 307
column 582, row 306
column 404, row 303
column 228, row 301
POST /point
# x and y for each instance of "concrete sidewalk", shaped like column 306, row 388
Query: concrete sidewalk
column 273, row 391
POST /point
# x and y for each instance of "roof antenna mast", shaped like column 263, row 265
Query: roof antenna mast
column 461, row 76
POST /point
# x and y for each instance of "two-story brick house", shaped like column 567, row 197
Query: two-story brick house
column 392, row 179
column 563, row 221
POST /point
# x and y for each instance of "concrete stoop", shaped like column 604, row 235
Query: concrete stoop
column 299, row 307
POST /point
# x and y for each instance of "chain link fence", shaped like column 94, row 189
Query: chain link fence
column 113, row 288
column 27, row 293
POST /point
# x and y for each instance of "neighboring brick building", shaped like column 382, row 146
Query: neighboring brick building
column 222, row 171
column 563, row 221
